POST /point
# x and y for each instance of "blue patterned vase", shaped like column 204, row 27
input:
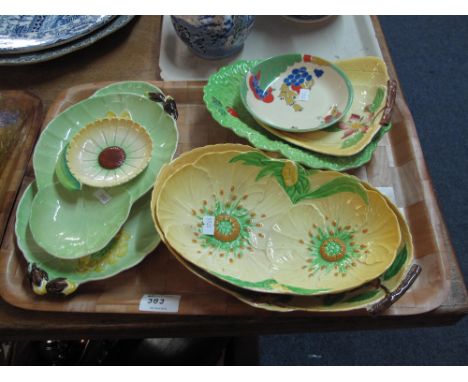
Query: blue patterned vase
column 213, row 37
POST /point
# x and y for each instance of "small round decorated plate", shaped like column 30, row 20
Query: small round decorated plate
column 109, row 152
column 297, row 93
column 232, row 201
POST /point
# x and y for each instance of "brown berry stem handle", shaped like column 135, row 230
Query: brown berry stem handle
column 387, row 113
column 394, row 296
column 168, row 103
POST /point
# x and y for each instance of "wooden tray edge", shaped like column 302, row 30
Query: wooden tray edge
column 182, row 85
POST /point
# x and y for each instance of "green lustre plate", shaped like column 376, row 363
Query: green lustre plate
column 222, row 98
column 149, row 114
column 140, row 88
column 134, row 241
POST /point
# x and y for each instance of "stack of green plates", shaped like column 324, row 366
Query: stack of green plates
column 90, row 220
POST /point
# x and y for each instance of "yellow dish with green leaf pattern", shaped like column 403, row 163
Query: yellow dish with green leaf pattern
column 221, row 211
column 364, row 296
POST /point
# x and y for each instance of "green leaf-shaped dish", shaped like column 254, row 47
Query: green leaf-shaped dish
column 149, row 114
column 222, row 98
column 73, row 224
column 135, row 240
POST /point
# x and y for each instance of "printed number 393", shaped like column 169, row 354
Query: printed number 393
column 155, row 300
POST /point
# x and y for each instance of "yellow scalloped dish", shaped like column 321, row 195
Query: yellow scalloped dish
column 272, row 226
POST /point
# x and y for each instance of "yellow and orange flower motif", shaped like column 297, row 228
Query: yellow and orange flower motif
column 338, row 236
column 233, row 226
column 241, row 210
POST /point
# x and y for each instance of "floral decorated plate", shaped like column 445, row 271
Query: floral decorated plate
column 72, row 224
column 353, row 248
column 49, row 153
column 296, row 93
column 243, row 195
column 222, row 98
column 48, row 274
column 362, row 122
column 109, row 152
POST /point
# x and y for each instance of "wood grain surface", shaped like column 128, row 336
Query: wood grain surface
column 132, row 53
column 28, row 109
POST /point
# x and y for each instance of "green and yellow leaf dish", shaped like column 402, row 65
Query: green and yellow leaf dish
column 246, row 194
column 50, row 275
column 361, row 297
column 222, row 98
column 364, row 296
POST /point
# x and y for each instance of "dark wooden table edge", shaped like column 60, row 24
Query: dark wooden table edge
column 198, row 326
column 142, row 325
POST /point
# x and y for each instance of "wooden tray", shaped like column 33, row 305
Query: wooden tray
column 397, row 164
column 28, row 124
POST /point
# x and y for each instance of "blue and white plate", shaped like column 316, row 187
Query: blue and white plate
column 61, row 50
column 30, row 33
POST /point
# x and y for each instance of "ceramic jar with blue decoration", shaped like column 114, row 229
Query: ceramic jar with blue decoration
column 213, row 37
